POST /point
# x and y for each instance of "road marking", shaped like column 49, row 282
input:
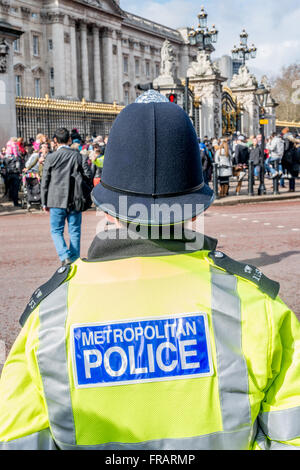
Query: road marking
column 255, row 221
column 267, row 223
column 280, row 226
column 244, row 218
column 234, row 216
column 295, row 229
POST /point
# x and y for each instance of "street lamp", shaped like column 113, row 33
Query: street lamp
column 244, row 52
column 261, row 97
column 203, row 37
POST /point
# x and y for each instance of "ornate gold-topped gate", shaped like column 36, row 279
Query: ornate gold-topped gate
column 231, row 113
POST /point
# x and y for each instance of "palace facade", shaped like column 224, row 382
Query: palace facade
column 90, row 49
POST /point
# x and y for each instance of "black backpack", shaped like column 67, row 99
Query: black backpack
column 81, row 188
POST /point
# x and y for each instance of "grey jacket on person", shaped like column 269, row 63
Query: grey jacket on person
column 56, row 180
column 255, row 155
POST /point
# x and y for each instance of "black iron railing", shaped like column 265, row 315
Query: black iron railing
column 45, row 115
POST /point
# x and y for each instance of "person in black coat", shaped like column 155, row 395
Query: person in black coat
column 255, row 156
column 57, row 193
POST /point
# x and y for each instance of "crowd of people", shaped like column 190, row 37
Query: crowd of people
column 19, row 158
column 231, row 153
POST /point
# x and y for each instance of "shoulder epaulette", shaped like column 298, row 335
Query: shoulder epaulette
column 43, row 291
column 247, row 271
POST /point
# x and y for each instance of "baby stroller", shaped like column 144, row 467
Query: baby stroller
column 31, row 190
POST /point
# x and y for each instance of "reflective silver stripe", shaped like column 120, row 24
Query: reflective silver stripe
column 53, row 364
column 265, row 444
column 281, row 425
column 38, row 441
column 216, row 441
column 232, row 368
column 279, row 446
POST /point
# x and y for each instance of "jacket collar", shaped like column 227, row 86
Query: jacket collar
column 119, row 245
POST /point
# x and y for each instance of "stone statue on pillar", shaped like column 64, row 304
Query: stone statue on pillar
column 243, row 79
column 202, row 67
column 168, row 69
column 206, row 80
column 244, row 86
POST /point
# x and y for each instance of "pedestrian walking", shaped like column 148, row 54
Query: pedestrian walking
column 57, row 191
column 222, row 158
column 206, row 162
column 156, row 341
column 240, row 160
column 275, row 146
column 255, row 156
column 13, row 166
column 291, row 158
column 3, row 170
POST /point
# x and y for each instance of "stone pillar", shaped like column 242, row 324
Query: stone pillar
column 107, row 65
column 244, row 85
column 97, row 64
column 131, row 71
column 73, row 71
column 246, row 99
column 207, row 82
column 59, row 54
column 84, row 61
column 8, row 125
column 120, row 67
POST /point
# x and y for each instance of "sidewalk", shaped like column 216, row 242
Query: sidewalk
column 7, row 208
column 244, row 198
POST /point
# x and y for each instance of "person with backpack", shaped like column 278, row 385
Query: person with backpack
column 65, row 188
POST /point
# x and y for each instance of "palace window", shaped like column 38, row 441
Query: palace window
column 36, row 48
column 50, row 44
column 147, row 69
column 157, row 70
column 125, row 64
column 137, row 67
column 126, row 97
column 52, row 92
column 18, row 79
column 37, row 87
column 51, row 73
column 17, row 46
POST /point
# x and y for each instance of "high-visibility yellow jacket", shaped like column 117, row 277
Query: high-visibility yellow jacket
column 155, row 352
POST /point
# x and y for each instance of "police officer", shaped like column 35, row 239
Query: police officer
column 157, row 340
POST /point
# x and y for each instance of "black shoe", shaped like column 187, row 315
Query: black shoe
column 66, row 262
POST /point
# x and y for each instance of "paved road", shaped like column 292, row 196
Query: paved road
column 266, row 235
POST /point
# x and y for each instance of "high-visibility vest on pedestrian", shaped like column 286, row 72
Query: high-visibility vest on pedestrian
column 164, row 352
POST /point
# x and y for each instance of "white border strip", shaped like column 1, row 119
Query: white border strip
column 131, row 382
